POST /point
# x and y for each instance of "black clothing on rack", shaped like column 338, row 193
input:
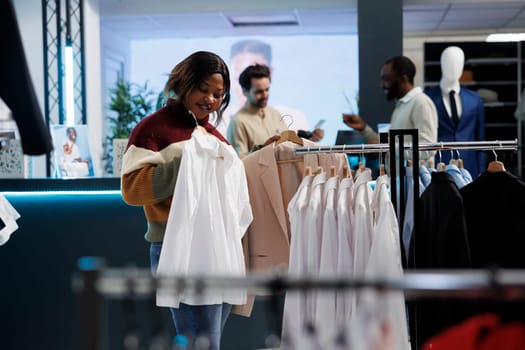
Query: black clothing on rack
column 495, row 216
column 440, row 242
column 16, row 88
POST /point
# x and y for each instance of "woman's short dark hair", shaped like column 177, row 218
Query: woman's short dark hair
column 256, row 71
column 192, row 71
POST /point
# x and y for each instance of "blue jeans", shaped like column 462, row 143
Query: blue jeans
column 194, row 321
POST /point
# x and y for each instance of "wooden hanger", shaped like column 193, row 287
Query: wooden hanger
column 333, row 172
column 381, row 164
column 308, row 171
column 459, row 161
column 290, row 135
column 495, row 166
column 441, row 166
column 361, row 164
column 347, row 172
column 452, row 160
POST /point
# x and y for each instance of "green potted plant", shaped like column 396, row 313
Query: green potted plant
column 129, row 103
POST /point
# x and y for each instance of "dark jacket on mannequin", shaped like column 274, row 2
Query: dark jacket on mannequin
column 16, row 88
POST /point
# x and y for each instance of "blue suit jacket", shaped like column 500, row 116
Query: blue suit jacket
column 471, row 127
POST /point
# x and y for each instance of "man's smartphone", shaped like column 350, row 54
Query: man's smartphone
column 319, row 124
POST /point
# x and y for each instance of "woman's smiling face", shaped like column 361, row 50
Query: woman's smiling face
column 207, row 97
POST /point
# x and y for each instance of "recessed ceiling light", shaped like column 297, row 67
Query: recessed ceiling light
column 264, row 20
column 506, row 37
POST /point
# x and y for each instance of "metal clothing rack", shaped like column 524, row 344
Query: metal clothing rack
column 93, row 283
column 462, row 284
column 396, row 142
column 385, row 147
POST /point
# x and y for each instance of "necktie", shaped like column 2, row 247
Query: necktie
column 453, row 108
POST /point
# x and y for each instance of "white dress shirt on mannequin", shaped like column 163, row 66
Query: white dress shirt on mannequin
column 452, row 61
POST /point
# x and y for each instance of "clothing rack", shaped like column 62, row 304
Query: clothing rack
column 385, row 147
column 463, row 284
column 93, row 282
column 396, row 142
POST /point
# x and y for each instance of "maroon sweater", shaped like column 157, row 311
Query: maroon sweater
column 151, row 163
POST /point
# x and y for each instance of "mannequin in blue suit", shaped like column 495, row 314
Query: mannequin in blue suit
column 471, row 124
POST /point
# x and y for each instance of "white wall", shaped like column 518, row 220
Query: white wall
column 115, row 64
column 94, row 93
column 29, row 17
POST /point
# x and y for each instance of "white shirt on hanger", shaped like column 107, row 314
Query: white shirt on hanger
column 294, row 303
column 362, row 239
column 208, row 217
column 345, row 233
column 384, row 262
column 312, row 232
column 325, row 317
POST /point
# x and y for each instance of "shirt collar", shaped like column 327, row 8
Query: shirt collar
column 445, row 89
column 254, row 109
column 409, row 95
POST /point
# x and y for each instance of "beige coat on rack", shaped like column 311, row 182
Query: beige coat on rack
column 271, row 185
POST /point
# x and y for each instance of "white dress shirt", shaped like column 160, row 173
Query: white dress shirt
column 445, row 93
column 345, row 234
column 384, row 262
column 325, row 317
column 208, row 217
column 295, row 303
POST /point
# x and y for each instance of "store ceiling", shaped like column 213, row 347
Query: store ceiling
column 138, row 19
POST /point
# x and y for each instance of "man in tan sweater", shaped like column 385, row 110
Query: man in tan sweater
column 257, row 124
